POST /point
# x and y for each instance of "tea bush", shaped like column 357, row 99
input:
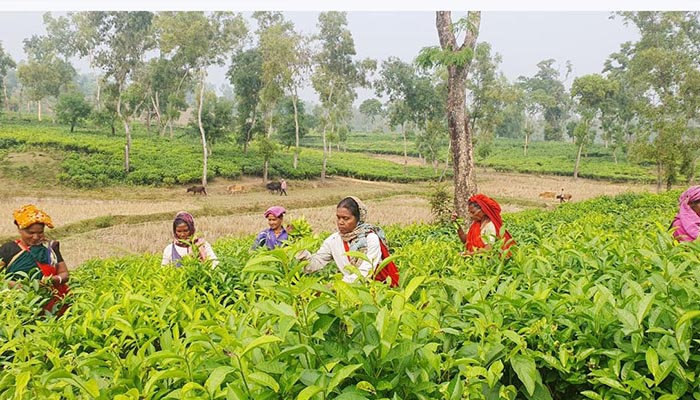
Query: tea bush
column 596, row 301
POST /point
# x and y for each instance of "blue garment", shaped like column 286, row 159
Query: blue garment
column 267, row 238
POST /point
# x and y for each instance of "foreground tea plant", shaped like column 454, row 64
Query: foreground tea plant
column 595, row 302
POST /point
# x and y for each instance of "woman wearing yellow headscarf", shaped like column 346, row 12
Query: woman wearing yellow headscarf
column 32, row 255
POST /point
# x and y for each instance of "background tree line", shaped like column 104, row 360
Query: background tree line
column 151, row 68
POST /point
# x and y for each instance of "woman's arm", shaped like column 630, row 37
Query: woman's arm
column 61, row 268
column 211, row 255
column 62, row 275
column 460, row 229
column 321, row 258
column 167, row 255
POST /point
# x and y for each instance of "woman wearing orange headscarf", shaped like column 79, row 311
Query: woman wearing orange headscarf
column 33, row 256
column 486, row 225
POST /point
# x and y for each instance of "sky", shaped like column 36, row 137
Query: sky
column 522, row 38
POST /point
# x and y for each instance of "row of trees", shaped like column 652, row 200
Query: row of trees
column 153, row 66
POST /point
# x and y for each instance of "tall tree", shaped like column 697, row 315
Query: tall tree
column 485, row 92
column 663, row 69
column 590, row 93
column 45, row 73
column 198, row 40
column 456, row 58
column 398, row 82
column 6, row 64
column 372, row 109
column 285, row 65
column 547, row 92
column 118, row 42
column 336, row 75
column 245, row 74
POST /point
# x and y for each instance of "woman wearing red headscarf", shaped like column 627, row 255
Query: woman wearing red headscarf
column 486, row 225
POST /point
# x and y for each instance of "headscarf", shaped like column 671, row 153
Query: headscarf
column 687, row 222
column 277, row 211
column 492, row 209
column 29, row 215
column 186, row 218
column 357, row 239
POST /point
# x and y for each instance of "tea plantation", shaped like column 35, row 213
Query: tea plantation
column 596, row 302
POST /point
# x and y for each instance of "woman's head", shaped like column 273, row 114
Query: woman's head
column 183, row 226
column 275, row 217
column 481, row 207
column 475, row 212
column 30, row 222
column 691, row 197
column 350, row 212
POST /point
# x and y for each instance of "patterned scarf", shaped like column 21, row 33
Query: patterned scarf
column 687, row 222
column 357, row 239
column 29, row 215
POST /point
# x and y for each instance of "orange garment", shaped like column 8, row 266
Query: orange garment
column 493, row 211
column 29, row 215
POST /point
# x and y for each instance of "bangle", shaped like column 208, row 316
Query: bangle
column 60, row 280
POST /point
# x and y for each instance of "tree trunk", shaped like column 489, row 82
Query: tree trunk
column 325, row 146
column 296, row 129
column 38, row 109
column 97, row 99
column 265, row 167
column 457, row 120
column 127, row 131
column 325, row 153
column 527, row 141
column 578, row 160
column 155, row 101
column 201, row 129
column 405, row 148
column 4, row 91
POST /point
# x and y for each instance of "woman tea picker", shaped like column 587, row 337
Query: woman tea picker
column 354, row 234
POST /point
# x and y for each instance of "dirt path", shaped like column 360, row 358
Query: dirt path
column 224, row 214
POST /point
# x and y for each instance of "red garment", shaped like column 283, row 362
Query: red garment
column 493, row 211
column 390, row 270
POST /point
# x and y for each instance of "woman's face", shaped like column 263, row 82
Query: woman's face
column 695, row 206
column 346, row 221
column 476, row 213
column 182, row 231
column 32, row 235
column 274, row 222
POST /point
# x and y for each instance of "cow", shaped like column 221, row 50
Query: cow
column 564, row 197
column 274, row 187
column 235, row 188
column 197, row 189
column 548, row 195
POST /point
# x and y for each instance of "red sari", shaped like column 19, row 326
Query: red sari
column 493, row 211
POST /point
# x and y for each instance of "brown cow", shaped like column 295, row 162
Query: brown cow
column 197, row 189
column 547, row 195
column 564, row 197
column 235, row 188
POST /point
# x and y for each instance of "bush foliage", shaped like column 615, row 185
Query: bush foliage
column 596, row 302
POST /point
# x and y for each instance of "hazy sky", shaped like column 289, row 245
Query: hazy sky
column 523, row 38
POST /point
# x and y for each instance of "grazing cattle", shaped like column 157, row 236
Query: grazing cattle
column 273, row 187
column 197, row 189
column 547, row 195
column 235, row 188
column 564, row 197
